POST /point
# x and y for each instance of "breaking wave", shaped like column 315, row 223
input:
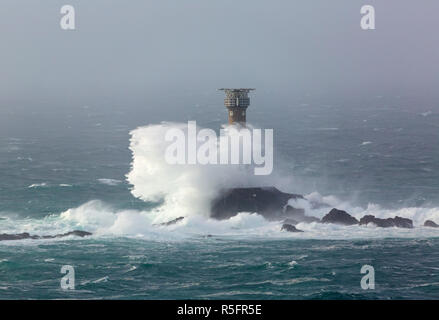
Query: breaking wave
column 187, row 190
column 104, row 221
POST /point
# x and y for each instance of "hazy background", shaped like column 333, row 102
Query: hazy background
column 68, row 99
column 136, row 52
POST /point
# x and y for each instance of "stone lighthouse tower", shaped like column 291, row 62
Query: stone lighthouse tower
column 237, row 102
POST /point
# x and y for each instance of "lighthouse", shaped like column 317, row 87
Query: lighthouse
column 237, row 102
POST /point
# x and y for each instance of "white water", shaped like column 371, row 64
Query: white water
column 186, row 190
column 104, row 221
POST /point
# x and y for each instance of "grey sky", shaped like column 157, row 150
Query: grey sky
column 135, row 48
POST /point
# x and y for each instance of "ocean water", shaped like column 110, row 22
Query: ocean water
column 98, row 169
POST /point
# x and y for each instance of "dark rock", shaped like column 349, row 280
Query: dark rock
column 383, row 223
column 387, row 223
column 403, row 222
column 171, row 222
column 339, row 217
column 77, row 233
column 25, row 235
column 431, row 224
column 17, row 236
column 289, row 228
column 266, row 201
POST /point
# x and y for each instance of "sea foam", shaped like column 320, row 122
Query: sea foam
column 187, row 190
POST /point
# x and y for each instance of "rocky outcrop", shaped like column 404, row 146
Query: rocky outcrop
column 339, row 217
column 387, row 223
column 289, row 228
column 25, row 235
column 266, row 201
column 431, row 224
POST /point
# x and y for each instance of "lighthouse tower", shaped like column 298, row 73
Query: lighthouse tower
column 237, row 102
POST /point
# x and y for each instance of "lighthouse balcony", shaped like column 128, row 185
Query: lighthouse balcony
column 237, row 102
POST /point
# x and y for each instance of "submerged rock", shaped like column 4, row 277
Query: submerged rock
column 387, row 223
column 77, row 233
column 289, row 228
column 25, row 235
column 339, row 217
column 266, row 201
column 430, row 223
column 171, row 222
column 17, row 236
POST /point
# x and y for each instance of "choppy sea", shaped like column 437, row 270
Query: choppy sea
column 74, row 169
